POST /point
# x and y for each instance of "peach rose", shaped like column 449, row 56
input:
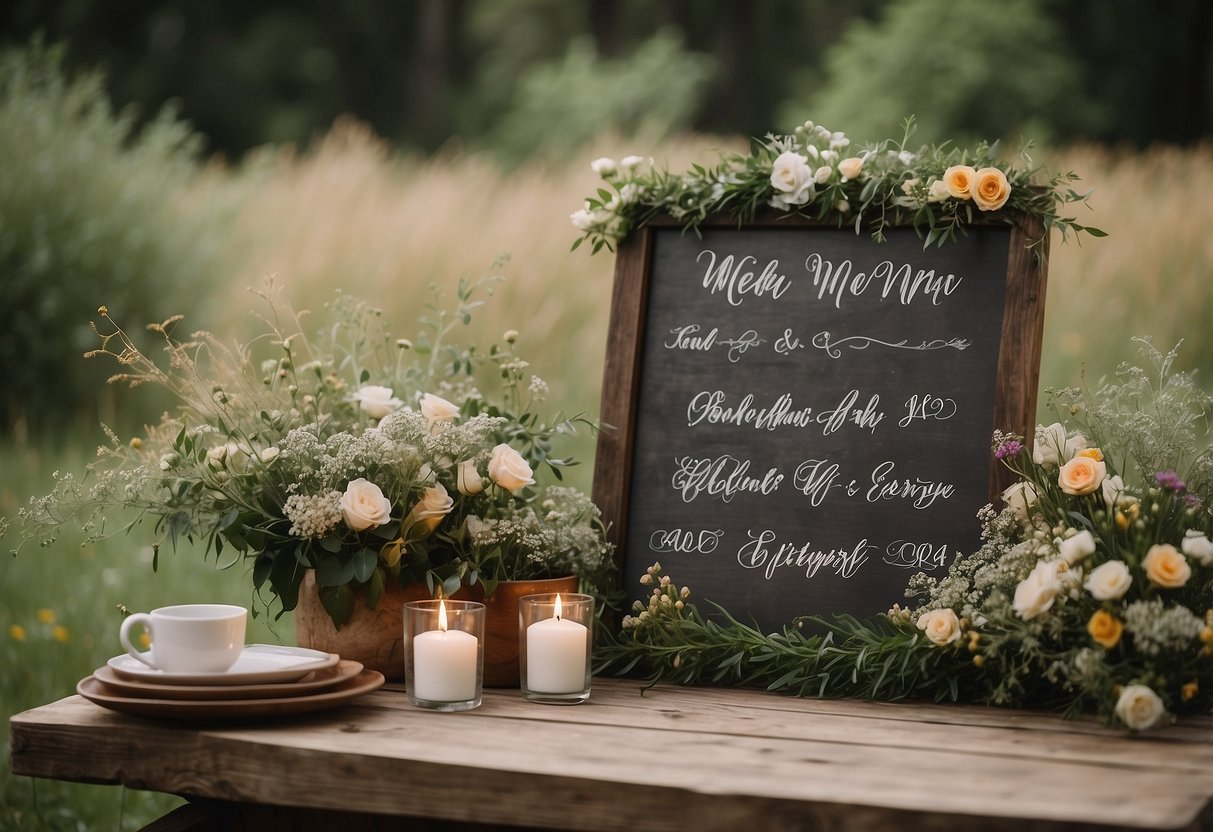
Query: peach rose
column 990, row 189
column 1105, row 628
column 1166, row 567
column 959, row 179
column 1081, row 475
column 850, row 168
column 941, row 626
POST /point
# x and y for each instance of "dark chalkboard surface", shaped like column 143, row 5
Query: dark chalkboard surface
column 804, row 414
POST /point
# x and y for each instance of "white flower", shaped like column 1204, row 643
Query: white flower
column 822, row 174
column 468, row 479
column 437, row 409
column 829, row 156
column 838, row 140
column 1035, row 593
column 1076, row 548
column 604, row 167
column 377, row 401
column 941, row 626
column 850, row 168
column 1139, row 707
column 905, row 157
column 1197, row 546
column 1112, row 488
column 435, row 503
column 630, row 163
column 792, row 180
column 363, row 505
column 229, row 455
column 1050, row 444
column 582, row 219
column 938, row 191
column 509, row 470
column 1109, row 581
column 1020, row 497
column 842, row 206
column 269, row 454
column 908, row 186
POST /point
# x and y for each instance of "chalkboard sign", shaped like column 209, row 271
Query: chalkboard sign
column 801, row 416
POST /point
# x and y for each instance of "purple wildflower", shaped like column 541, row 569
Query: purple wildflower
column 1192, row 501
column 1011, row 447
column 1170, row 480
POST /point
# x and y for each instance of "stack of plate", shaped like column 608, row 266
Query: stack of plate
column 267, row 680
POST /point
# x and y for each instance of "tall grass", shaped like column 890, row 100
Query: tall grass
column 350, row 215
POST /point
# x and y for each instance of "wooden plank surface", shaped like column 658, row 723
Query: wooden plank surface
column 672, row 759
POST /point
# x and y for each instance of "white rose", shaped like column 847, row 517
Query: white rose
column 1035, row 593
column 938, row 191
column 850, row 168
column 229, row 455
column 603, row 166
column 363, row 505
column 435, row 503
column 1197, row 546
column 941, row 626
column 1109, row 581
column 468, row 479
column 792, row 180
column 1139, row 707
column 1112, row 488
column 437, row 409
column 377, row 401
column 1076, row 548
column 1049, row 447
column 1020, row 497
column 509, row 470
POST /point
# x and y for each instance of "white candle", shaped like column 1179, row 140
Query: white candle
column 444, row 663
column 555, row 655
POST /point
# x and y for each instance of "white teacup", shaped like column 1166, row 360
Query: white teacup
column 189, row 638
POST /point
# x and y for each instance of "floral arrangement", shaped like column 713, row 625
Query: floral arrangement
column 815, row 172
column 365, row 457
column 1092, row 592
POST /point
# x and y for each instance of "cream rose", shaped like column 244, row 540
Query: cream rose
column 941, row 626
column 959, row 179
column 1020, row 497
column 1197, row 546
column 1139, row 707
column 437, row 409
column 938, row 191
column 850, row 168
column 363, row 505
column 792, row 179
column 1035, row 593
column 1076, row 548
column 990, row 189
column 1081, row 475
column 1166, row 567
column 509, row 470
column 435, row 503
column 377, row 401
column 1112, row 488
column 1109, row 581
column 468, row 479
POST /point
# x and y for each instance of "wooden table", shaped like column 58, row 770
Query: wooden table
column 672, row 759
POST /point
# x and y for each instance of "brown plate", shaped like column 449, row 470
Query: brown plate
column 218, row 709
column 317, row 680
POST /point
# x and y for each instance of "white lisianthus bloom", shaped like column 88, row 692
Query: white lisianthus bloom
column 1197, row 546
column 582, row 219
column 468, row 479
column 1109, row 581
column 1139, row 707
column 1049, row 447
column 509, row 470
column 937, row 191
column 1112, row 488
column 1076, row 548
column 363, row 505
column 604, row 167
column 1020, row 497
column 941, row 626
column 377, row 401
column 1035, row 594
column 435, row 503
column 437, row 409
column 792, row 180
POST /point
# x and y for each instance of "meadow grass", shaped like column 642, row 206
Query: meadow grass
column 349, row 215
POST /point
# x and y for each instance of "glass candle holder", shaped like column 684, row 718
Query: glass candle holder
column 444, row 654
column 555, row 642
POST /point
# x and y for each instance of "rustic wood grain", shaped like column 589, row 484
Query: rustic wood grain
column 672, row 759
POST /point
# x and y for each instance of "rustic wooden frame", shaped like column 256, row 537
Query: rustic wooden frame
column 1015, row 386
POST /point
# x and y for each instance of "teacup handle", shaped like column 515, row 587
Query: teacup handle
column 124, row 635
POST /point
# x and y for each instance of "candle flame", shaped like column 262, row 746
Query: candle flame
column 557, row 606
column 442, row 615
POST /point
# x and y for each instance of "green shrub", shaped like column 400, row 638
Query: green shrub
column 89, row 215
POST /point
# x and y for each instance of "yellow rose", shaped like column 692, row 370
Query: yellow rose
column 990, row 189
column 941, row 626
column 1081, row 475
column 1166, row 567
column 959, row 179
column 1105, row 628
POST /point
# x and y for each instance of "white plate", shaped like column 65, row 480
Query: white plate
column 259, row 664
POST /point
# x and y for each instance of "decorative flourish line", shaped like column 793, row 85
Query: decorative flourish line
column 832, row 348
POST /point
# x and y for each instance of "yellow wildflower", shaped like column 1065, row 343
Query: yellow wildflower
column 16, row 632
column 45, row 616
column 1190, row 690
column 60, row 633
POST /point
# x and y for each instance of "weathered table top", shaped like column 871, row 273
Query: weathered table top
column 672, row 759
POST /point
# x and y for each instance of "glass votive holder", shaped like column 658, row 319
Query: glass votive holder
column 444, row 654
column 555, row 642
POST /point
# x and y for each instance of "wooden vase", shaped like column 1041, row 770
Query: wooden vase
column 376, row 637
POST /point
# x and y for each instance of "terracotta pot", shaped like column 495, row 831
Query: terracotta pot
column 376, row 637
